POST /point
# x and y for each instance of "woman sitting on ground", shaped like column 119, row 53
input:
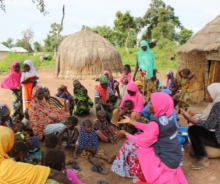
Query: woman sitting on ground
column 59, row 103
column 82, row 102
column 202, row 134
column 153, row 156
column 45, row 118
column 19, row 173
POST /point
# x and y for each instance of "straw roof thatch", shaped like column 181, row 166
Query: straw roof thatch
column 207, row 39
column 86, row 55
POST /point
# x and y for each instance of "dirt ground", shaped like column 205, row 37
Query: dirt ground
column 208, row 175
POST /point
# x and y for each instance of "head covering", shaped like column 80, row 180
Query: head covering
column 138, row 83
column 167, row 91
column 87, row 140
column 137, row 99
column 32, row 68
column 170, row 81
column 214, row 91
column 146, row 59
column 106, row 72
column 4, row 111
column 103, row 79
column 13, row 81
column 162, row 103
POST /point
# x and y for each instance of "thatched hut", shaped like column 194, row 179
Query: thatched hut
column 86, row 55
column 201, row 54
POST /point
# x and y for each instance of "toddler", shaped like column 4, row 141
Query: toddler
column 125, row 78
column 69, row 137
column 104, row 129
column 19, row 151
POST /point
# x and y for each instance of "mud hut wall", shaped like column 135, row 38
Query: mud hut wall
column 195, row 61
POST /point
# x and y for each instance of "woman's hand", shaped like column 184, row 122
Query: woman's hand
column 127, row 120
column 119, row 135
column 185, row 114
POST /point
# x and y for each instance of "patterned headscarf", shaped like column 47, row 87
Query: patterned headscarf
column 4, row 111
column 103, row 79
column 87, row 140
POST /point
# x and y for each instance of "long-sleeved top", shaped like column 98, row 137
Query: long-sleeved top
column 213, row 121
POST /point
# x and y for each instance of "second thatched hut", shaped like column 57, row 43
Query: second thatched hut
column 85, row 55
column 201, row 54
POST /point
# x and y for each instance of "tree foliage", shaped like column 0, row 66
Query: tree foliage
column 9, row 43
column 37, row 47
column 22, row 43
column 51, row 42
column 184, row 35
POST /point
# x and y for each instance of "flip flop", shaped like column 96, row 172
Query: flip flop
column 198, row 166
column 112, row 159
column 102, row 182
column 76, row 167
column 98, row 169
column 71, row 162
column 95, row 161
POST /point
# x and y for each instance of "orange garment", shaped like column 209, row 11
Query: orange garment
column 42, row 113
column 102, row 92
column 12, row 172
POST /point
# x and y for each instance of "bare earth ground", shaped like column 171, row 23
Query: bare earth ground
column 208, row 175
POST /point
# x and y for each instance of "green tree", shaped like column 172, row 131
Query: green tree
column 37, row 47
column 155, row 19
column 184, row 35
column 8, row 43
column 51, row 42
column 126, row 29
column 22, row 43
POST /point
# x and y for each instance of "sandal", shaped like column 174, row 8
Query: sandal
column 198, row 166
column 102, row 182
column 71, row 162
column 95, row 161
column 76, row 167
column 98, row 169
column 112, row 159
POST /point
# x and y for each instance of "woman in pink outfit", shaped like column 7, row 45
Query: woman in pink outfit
column 152, row 156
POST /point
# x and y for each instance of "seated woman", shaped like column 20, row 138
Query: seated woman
column 19, row 173
column 153, row 156
column 135, row 96
column 45, row 118
column 102, row 94
column 82, row 102
column 5, row 119
column 59, row 103
column 201, row 134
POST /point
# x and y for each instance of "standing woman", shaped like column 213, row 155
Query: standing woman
column 12, row 82
column 145, row 63
column 29, row 79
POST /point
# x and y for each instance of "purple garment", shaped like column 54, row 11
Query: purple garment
column 65, row 96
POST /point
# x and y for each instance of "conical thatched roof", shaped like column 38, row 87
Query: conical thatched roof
column 86, row 55
column 207, row 39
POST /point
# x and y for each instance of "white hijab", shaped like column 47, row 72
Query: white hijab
column 32, row 71
column 214, row 91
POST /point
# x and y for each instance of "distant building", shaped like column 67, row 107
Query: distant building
column 3, row 51
column 19, row 50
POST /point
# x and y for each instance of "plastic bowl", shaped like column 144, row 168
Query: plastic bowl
column 184, row 132
column 181, row 139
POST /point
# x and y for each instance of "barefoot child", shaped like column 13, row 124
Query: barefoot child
column 55, row 159
column 89, row 146
column 69, row 137
column 104, row 129
column 184, row 100
column 125, row 78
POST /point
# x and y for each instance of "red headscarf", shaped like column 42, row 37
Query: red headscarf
column 13, row 81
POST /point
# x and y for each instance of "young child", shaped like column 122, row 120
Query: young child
column 186, row 75
column 51, row 141
column 19, row 151
column 89, row 146
column 140, row 86
column 69, row 137
column 104, row 129
column 55, row 159
column 125, row 78
column 115, row 101
column 114, row 85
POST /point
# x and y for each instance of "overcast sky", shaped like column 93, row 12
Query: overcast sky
column 23, row 14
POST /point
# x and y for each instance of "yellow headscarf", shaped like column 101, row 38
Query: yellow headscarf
column 17, row 172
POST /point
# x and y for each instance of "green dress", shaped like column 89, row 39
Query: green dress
column 82, row 102
column 184, row 98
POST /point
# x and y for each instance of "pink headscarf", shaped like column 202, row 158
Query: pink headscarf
column 106, row 72
column 137, row 99
column 13, row 81
column 162, row 103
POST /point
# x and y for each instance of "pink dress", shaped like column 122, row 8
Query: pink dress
column 72, row 177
